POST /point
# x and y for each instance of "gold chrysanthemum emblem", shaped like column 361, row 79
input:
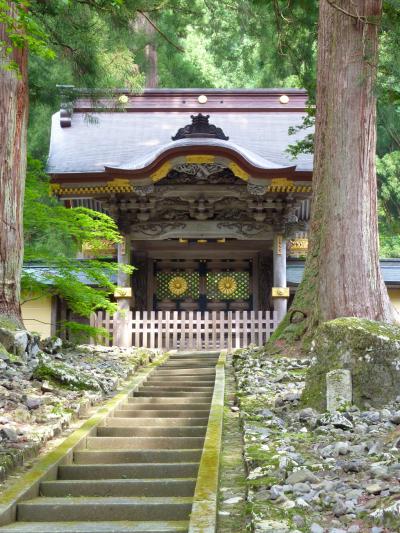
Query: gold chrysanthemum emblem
column 227, row 285
column 178, row 285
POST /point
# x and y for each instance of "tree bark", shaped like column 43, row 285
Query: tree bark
column 342, row 275
column 13, row 133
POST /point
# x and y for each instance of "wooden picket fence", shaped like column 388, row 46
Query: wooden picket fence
column 166, row 330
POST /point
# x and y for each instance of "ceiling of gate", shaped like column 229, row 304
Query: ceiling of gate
column 206, row 201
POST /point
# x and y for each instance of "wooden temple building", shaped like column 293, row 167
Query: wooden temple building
column 201, row 186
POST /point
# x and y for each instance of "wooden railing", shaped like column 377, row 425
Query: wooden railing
column 165, row 330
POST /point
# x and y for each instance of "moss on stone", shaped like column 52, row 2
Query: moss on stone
column 65, row 376
column 369, row 349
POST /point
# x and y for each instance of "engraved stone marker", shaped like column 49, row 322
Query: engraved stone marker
column 338, row 389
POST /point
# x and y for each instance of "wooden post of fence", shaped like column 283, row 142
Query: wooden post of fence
column 229, row 330
column 122, row 329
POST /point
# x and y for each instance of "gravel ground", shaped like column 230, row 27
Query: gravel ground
column 314, row 472
column 41, row 394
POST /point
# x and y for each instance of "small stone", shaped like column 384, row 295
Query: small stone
column 353, row 466
column 9, row 433
column 46, row 387
column 337, row 420
column 371, row 417
column 342, row 448
column 307, row 414
column 51, row 345
column 316, row 528
column 376, row 529
column 235, row 408
column 298, row 520
column 340, row 508
column 300, row 502
column 354, row 529
column 301, row 488
column 231, row 501
column 380, row 471
column 302, row 476
column 274, row 493
column 374, row 488
column 395, row 418
column 33, row 402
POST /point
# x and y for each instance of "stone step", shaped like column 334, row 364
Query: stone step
column 185, row 372
column 136, row 456
column 118, row 487
column 172, row 394
column 187, row 361
column 184, row 413
column 190, row 361
column 45, row 509
column 142, row 443
column 198, row 356
column 182, row 400
column 173, row 388
column 154, row 422
column 144, row 431
column 171, row 405
column 98, row 527
column 196, row 384
column 175, row 376
column 139, row 473
column 128, row 471
column 186, row 366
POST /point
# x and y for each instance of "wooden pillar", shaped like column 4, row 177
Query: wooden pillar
column 280, row 292
column 123, row 295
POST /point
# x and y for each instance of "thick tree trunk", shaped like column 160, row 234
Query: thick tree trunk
column 342, row 275
column 150, row 50
column 13, row 130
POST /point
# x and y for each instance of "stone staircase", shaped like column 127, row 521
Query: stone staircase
column 138, row 474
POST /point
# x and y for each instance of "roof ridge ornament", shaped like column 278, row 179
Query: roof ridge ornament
column 200, row 127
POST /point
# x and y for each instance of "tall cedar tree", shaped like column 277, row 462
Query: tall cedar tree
column 342, row 275
column 13, row 133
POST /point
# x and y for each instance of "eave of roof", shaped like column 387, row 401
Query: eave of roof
column 188, row 100
column 390, row 269
column 255, row 164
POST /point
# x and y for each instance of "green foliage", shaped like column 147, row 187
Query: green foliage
column 53, row 237
column 22, row 30
column 388, row 168
column 239, row 43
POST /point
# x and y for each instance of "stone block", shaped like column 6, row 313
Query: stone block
column 339, row 389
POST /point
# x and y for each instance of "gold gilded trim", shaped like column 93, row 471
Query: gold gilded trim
column 290, row 188
column 161, row 172
column 280, row 292
column 238, row 171
column 123, row 292
column 54, row 188
column 118, row 182
column 200, row 159
column 117, row 185
column 282, row 182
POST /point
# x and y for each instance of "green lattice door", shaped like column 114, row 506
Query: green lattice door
column 210, row 285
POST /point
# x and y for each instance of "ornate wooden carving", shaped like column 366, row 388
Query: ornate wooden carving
column 200, row 127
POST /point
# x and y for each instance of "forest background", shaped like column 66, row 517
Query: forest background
column 176, row 43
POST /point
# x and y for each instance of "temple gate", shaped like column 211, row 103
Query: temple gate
column 206, row 196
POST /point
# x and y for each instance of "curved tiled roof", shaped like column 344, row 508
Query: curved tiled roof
column 256, row 123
